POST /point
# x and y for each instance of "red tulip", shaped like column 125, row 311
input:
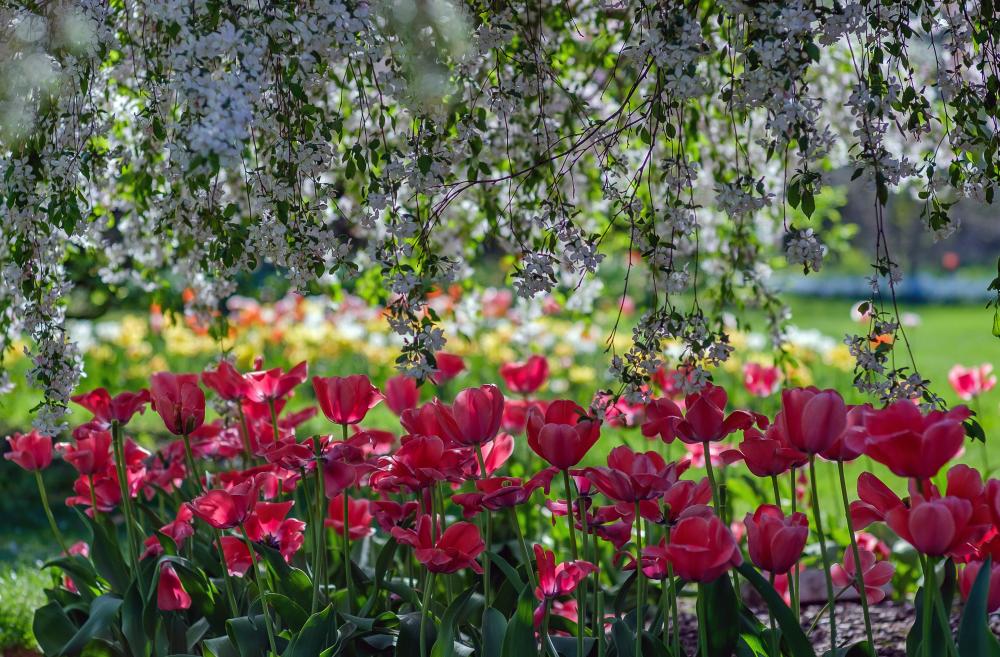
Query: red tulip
column 499, row 493
column 936, row 527
column 270, row 385
column 106, row 492
column 359, row 517
column 474, row 418
column 705, row 419
column 170, row 593
column 237, row 555
column 631, row 476
column 90, row 454
column 563, row 434
column 875, row 574
column 456, row 548
column 968, row 577
column 555, row 580
column 495, row 454
column 32, row 451
column 419, row 462
column 401, row 393
column 226, row 382
column 761, row 380
column 515, row 413
column 701, row 548
column 766, row 454
column 225, row 509
column 909, row 443
column 812, row 420
column 448, row 367
column 179, row 401
column 775, row 542
column 526, row 377
column 848, row 446
column 971, row 382
column 993, row 499
column 346, row 400
column 119, row 408
column 269, row 525
column 662, row 418
column 876, row 500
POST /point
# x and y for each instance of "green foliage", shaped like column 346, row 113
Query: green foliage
column 21, row 592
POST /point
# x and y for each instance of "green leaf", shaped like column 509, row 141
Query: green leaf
column 292, row 615
column 80, row 571
column 107, row 557
column 623, row 639
column 453, row 616
column 974, row 636
column 220, row 647
column 316, row 635
column 102, row 610
column 249, row 635
column 408, row 643
column 519, row 637
column 132, row 625
column 796, row 640
column 52, row 628
column 718, row 599
column 494, row 627
column 859, row 649
column 509, row 572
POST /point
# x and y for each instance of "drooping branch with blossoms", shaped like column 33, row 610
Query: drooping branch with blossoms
column 387, row 147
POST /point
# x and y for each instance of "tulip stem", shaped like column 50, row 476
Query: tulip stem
column 260, row 590
column 225, row 575
column 640, row 579
column 347, row 539
column 711, row 480
column 93, row 498
column 425, row 606
column 488, row 523
column 48, row 513
column 122, row 471
column 793, row 581
column 524, row 547
column 274, row 421
column 574, row 551
column 547, row 645
column 191, row 463
column 569, row 515
column 702, row 614
column 674, row 614
column 319, row 559
column 770, row 618
column 817, row 516
column 245, row 433
column 928, row 603
column 856, row 553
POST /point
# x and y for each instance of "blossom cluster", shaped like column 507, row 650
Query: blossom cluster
column 164, row 144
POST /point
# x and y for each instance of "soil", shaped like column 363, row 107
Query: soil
column 891, row 621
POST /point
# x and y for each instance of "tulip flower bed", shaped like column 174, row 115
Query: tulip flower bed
column 241, row 538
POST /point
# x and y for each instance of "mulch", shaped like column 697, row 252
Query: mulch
column 891, row 621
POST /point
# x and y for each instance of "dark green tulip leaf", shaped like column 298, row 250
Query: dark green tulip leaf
column 494, row 627
column 719, row 599
column 519, row 637
column 794, row 638
column 52, row 628
column 318, row 633
column 974, row 636
column 456, row 612
column 102, row 610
